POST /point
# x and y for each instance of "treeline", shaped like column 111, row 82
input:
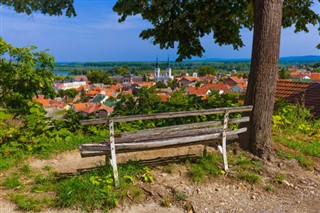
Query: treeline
column 114, row 68
column 145, row 67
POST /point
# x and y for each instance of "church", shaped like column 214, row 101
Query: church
column 162, row 77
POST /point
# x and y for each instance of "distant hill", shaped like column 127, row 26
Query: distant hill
column 306, row 58
column 287, row 59
column 291, row 59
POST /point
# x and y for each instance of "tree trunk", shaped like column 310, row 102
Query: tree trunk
column 263, row 77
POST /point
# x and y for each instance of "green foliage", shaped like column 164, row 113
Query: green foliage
column 180, row 196
column 268, row 187
column 97, row 186
column 305, row 162
column 96, row 76
column 35, row 134
column 161, row 84
column 294, row 129
column 293, row 118
column 168, row 169
column 246, row 168
column 44, row 7
column 165, row 202
column 206, row 70
column 24, row 74
column 70, row 93
column 279, row 178
column 12, row 182
column 147, row 175
column 205, row 166
column 248, row 176
column 284, row 73
column 27, row 203
column 311, row 148
column 26, row 169
column 185, row 22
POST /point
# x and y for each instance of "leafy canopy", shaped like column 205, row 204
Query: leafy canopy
column 185, row 22
column 50, row 7
column 24, row 74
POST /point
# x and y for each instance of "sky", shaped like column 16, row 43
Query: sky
column 95, row 35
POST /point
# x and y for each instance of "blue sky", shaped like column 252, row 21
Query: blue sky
column 95, row 35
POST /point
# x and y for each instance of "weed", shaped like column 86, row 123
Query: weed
column 205, row 165
column 128, row 178
column 248, row 176
column 168, row 169
column 147, row 176
column 165, row 202
column 47, row 168
column 188, row 207
column 279, row 178
column 268, row 187
column 12, row 182
column 305, row 162
column 25, row 169
column 285, row 154
column 180, row 196
column 197, row 173
column 42, row 183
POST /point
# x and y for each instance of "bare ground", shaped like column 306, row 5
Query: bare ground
column 299, row 193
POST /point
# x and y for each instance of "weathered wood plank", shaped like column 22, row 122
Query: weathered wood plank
column 104, row 150
column 88, row 150
column 167, row 115
column 183, row 127
column 166, row 134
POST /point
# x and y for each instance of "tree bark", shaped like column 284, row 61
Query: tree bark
column 263, row 77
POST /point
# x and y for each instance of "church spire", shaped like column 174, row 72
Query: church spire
column 157, row 65
column 168, row 64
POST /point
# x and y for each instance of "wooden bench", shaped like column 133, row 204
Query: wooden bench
column 165, row 137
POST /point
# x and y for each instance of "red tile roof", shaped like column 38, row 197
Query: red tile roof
column 306, row 93
column 199, row 91
column 83, row 87
column 164, row 97
column 285, row 88
column 315, row 76
column 190, row 79
column 146, row 84
column 44, row 102
column 116, row 87
column 90, row 108
column 221, row 86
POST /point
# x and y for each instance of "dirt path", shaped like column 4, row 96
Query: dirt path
column 300, row 192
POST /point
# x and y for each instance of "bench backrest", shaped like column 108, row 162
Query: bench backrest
column 167, row 115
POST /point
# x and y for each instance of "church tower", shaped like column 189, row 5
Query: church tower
column 195, row 73
column 157, row 71
column 168, row 71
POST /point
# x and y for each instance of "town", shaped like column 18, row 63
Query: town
column 98, row 99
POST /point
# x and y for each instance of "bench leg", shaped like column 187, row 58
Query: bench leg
column 224, row 141
column 113, row 158
column 205, row 150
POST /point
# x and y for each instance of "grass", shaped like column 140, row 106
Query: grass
column 279, row 178
column 180, row 196
column 168, row 169
column 269, row 187
column 12, row 182
column 166, row 202
column 98, row 187
column 90, row 191
column 205, row 166
column 297, row 146
column 29, row 203
column 249, row 177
